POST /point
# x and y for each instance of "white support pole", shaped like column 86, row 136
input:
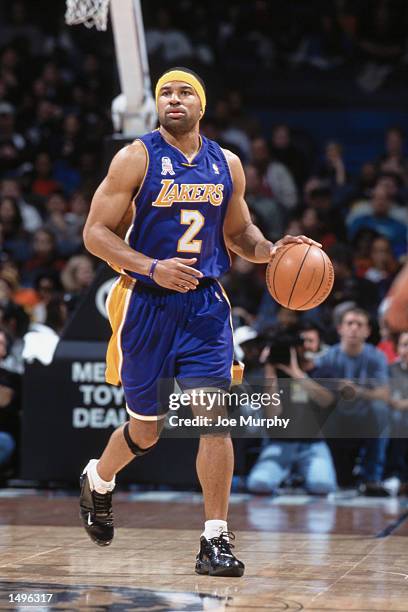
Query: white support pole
column 131, row 54
column 127, row 52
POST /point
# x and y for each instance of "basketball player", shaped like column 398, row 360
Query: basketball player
column 169, row 316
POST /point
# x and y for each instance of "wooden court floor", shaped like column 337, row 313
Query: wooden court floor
column 301, row 553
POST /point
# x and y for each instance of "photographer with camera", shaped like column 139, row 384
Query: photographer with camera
column 306, row 401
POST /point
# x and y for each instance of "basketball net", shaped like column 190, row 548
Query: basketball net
column 92, row 13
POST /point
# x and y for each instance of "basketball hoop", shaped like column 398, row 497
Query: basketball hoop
column 92, row 13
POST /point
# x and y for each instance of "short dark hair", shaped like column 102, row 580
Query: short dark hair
column 356, row 310
column 184, row 69
column 395, row 128
column 310, row 326
column 341, row 253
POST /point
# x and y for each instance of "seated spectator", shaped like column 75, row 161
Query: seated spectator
column 31, row 217
column 44, row 257
column 361, row 246
column 381, row 40
column 79, row 206
column 47, row 286
column 77, row 277
column 318, row 195
column 313, row 342
column 277, row 180
column 12, row 144
column 397, row 193
column 63, row 226
column 229, row 132
column 9, row 407
column 284, row 151
column 394, row 160
column 333, row 168
column 14, row 320
column 41, row 340
column 42, row 181
column 315, row 225
column 384, row 266
column 347, row 287
column 391, row 183
column 244, row 286
column 270, row 215
column 14, row 236
column 361, row 411
column 382, row 222
column 307, row 404
column 21, row 296
column 171, row 45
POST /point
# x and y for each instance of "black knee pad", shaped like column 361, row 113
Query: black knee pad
column 214, row 432
column 134, row 448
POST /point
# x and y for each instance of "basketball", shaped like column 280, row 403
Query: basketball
column 300, row 276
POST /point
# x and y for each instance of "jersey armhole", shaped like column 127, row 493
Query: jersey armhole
column 227, row 168
column 146, row 172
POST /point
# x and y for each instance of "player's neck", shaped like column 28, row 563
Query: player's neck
column 188, row 144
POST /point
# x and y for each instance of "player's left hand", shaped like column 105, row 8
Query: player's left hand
column 291, row 240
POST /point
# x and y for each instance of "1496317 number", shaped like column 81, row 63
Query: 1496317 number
column 30, row 597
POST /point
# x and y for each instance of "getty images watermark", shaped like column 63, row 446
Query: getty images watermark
column 214, row 401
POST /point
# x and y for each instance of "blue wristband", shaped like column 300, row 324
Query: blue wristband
column 153, row 267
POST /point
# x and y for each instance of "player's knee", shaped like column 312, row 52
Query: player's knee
column 140, row 442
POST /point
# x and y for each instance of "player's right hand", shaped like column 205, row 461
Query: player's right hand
column 177, row 274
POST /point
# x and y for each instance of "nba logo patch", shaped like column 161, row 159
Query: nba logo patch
column 215, row 168
column 167, row 167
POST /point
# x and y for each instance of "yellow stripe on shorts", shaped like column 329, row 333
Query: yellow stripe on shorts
column 117, row 304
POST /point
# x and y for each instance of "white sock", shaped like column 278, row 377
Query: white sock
column 95, row 481
column 214, row 528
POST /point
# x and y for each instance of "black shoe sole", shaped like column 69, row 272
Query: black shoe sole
column 232, row 572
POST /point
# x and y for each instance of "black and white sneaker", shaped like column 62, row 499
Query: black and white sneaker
column 216, row 559
column 96, row 513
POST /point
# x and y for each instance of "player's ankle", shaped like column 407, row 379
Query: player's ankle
column 96, row 480
column 214, row 527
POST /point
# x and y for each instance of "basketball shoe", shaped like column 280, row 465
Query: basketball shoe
column 216, row 559
column 96, row 513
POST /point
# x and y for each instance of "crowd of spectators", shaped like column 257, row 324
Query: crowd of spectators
column 56, row 86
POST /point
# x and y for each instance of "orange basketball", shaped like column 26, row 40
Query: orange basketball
column 300, row 276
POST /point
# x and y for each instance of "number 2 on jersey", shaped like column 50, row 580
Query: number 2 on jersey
column 195, row 220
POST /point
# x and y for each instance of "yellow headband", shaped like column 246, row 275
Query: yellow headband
column 186, row 77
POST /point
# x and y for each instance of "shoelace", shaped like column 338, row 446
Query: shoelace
column 222, row 542
column 103, row 503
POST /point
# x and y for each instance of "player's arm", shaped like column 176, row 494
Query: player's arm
column 241, row 235
column 109, row 207
column 110, row 204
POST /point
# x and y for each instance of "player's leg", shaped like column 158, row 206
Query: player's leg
column 215, row 466
column 139, row 362
column 133, row 439
column 204, row 360
column 118, row 452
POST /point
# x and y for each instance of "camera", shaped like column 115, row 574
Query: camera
column 280, row 343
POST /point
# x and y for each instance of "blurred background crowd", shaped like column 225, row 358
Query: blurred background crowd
column 311, row 97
